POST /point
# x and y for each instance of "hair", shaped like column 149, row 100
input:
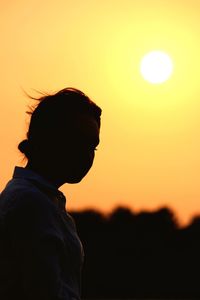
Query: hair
column 53, row 113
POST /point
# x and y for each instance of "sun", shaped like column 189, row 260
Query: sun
column 156, row 67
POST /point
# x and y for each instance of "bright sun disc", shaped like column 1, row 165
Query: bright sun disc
column 156, row 67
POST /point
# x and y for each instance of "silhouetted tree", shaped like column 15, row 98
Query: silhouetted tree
column 144, row 255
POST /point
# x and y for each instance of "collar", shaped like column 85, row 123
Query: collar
column 42, row 183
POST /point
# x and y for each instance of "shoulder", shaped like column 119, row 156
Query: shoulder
column 25, row 208
column 22, row 194
column 28, row 213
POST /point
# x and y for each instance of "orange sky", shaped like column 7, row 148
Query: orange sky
column 150, row 136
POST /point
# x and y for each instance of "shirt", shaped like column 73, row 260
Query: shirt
column 41, row 254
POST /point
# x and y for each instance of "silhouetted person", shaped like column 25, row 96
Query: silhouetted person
column 40, row 252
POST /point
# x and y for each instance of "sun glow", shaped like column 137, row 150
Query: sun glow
column 156, row 67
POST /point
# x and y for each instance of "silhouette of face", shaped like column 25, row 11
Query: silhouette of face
column 75, row 155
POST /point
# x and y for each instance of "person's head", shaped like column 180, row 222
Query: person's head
column 62, row 136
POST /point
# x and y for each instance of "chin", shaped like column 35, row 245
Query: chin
column 74, row 179
column 75, row 176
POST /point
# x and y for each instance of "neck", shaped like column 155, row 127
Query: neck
column 49, row 175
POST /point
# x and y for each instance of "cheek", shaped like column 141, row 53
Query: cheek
column 76, row 160
column 85, row 160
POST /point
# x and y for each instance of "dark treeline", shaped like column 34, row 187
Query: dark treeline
column 144, row 255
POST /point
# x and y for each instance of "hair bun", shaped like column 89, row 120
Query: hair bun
column 23, row 146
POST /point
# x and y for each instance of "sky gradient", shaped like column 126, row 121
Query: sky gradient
column 150, row 136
